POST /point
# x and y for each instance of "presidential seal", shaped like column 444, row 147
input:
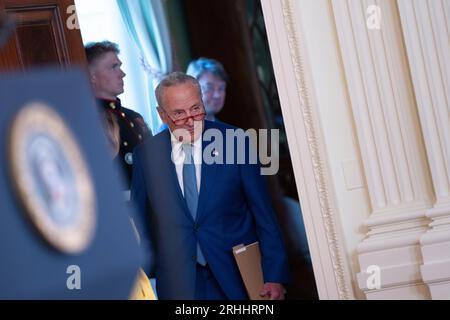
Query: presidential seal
column 51, row 178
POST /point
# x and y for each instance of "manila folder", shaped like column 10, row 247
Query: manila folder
column 248, row 259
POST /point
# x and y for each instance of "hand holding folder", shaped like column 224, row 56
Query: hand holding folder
column 248, row 259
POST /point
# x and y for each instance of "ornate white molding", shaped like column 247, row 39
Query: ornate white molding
column 382, row 98
column 328, row 216
column 307, row 147
column 426, row 32
column 392, row 148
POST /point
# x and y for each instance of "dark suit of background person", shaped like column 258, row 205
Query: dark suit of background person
column 233, row 208
column 106, row 77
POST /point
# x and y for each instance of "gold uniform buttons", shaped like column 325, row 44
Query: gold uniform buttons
column 132, row 124
column 112, row 105
column 123, row 115
column 125, row 144
column 140, row 137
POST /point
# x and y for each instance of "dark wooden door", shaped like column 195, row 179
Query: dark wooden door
column 45, row 34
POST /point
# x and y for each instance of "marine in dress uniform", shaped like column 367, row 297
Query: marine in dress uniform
column 106, row 77
column 133, row 130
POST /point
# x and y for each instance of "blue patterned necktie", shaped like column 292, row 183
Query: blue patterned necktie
column 190, row 190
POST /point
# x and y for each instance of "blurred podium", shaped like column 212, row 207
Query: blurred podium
column 65, row 231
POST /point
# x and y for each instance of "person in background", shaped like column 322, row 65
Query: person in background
column 213, row 81
column 106, row 77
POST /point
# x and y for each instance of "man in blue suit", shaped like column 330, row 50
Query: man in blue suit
column 193, row 212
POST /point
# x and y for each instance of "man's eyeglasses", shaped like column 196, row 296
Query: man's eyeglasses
column 197, row 113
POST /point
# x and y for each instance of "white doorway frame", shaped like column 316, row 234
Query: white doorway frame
column 306, row 144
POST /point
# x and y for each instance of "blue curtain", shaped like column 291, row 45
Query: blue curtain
column 147, row 25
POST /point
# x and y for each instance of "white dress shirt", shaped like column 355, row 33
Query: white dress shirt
column 178, row 159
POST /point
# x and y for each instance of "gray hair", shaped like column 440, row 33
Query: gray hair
column 174, row 79
column 197, row 67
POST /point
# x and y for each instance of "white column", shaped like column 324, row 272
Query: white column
column 391, row 144
column 291, row 53
column 426, row 32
